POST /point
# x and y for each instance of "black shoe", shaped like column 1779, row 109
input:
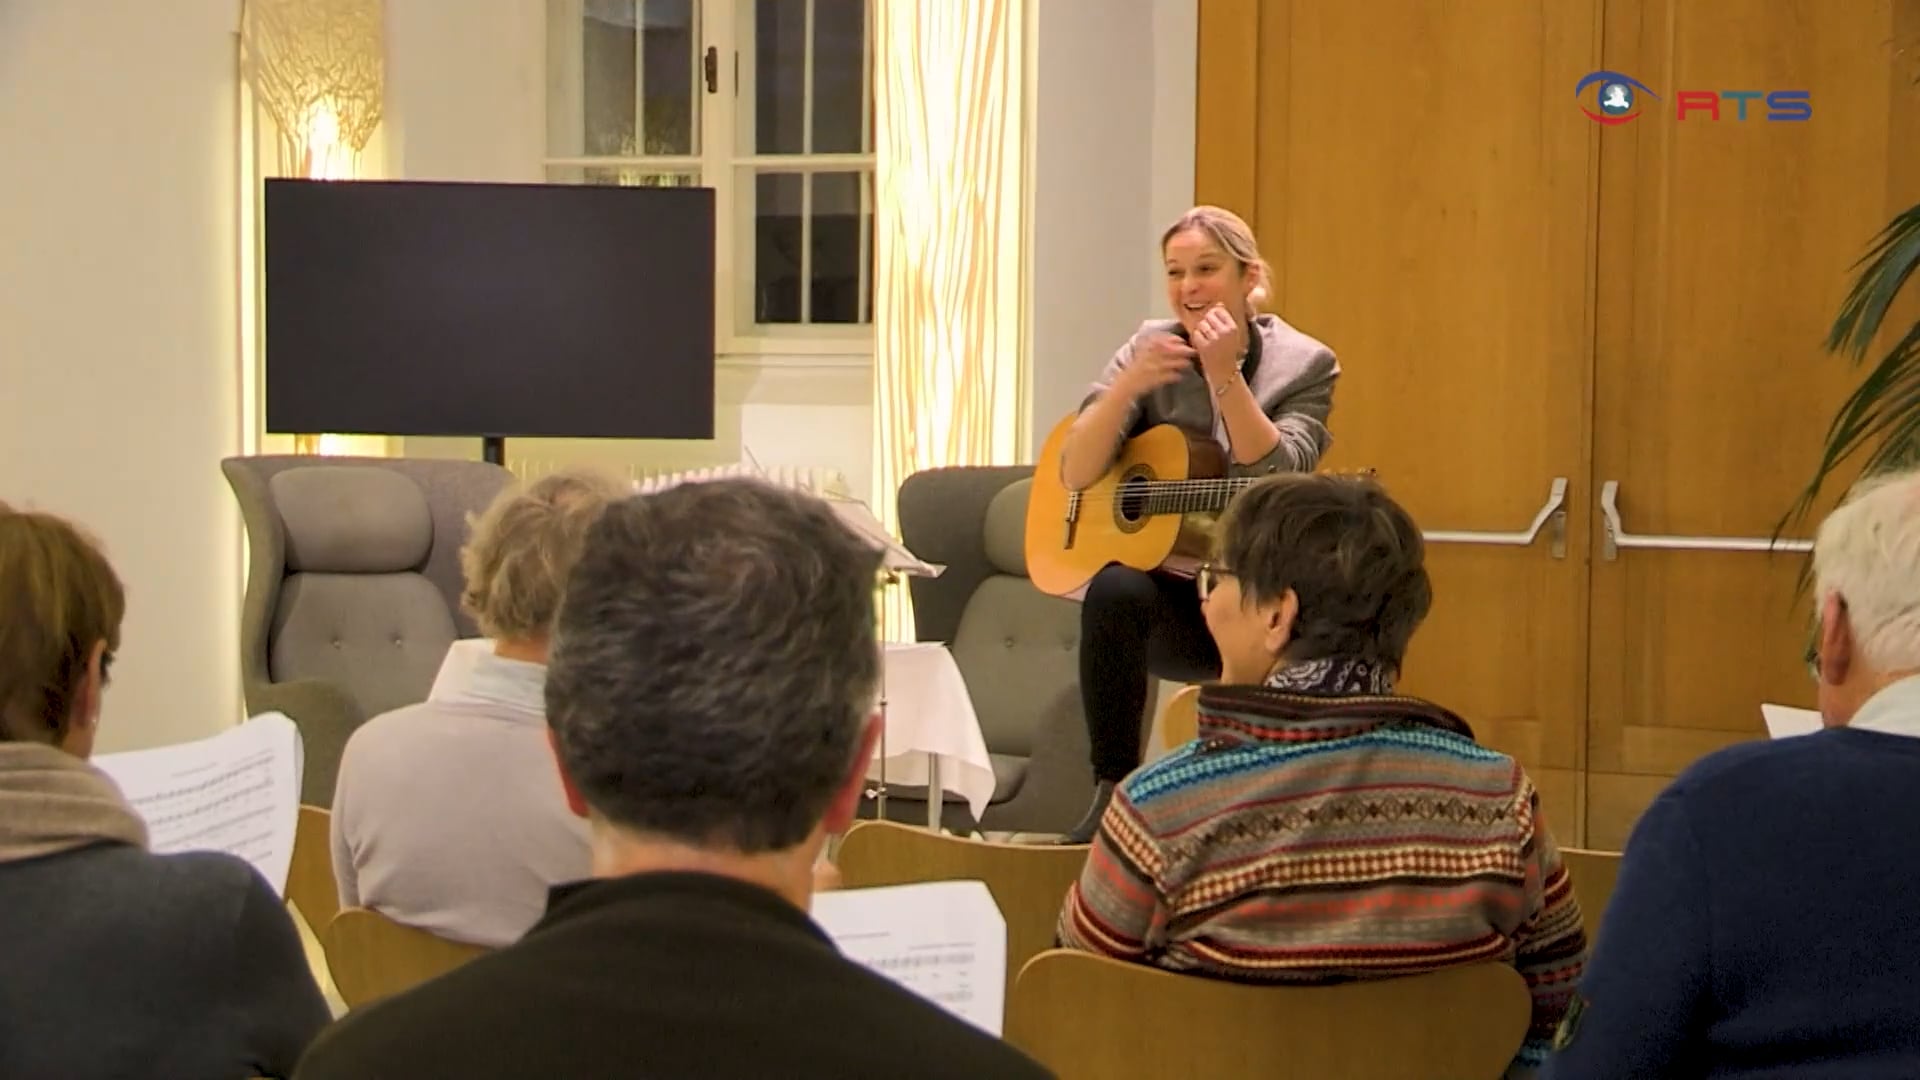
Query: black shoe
column 1089, row 826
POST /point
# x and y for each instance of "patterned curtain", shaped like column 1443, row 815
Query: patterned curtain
column 950, row 286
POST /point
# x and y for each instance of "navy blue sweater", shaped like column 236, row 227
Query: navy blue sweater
column 1766, row 922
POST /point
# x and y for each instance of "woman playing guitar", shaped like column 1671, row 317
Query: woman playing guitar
column 1261, row 389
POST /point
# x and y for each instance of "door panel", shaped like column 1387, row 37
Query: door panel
column 1723, row 250
column 1517, row 293
column 1426, row 208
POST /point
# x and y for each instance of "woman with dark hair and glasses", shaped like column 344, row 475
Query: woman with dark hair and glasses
column 1324, row 827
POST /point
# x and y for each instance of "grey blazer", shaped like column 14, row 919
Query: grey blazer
column 1290, row 374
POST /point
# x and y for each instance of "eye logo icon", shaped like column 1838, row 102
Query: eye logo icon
column 1616, row 97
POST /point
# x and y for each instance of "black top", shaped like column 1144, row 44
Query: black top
column 115, row 962
column 662, row 975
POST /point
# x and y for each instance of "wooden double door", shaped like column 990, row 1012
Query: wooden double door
column 1525, row 300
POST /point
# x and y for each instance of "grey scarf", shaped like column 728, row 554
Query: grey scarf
column 51, row 801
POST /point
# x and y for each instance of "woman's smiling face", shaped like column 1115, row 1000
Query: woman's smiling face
column 1200, row 275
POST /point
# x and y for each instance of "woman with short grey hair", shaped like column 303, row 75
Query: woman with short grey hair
column 448, row 815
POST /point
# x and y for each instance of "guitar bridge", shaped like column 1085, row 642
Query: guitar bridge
column 1072, row 518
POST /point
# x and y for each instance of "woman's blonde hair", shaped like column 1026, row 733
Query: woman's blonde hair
column 1232, row 235
column 58, row 599
column 524, row 546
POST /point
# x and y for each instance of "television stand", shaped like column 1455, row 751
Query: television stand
column 493, row 450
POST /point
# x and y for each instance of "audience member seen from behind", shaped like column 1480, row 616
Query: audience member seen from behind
column 711, row 694
column 1323, row 828
column 114, row 961
column 1762, row 922
column 448, row 815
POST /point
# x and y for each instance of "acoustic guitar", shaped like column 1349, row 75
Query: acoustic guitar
column 1155, row 506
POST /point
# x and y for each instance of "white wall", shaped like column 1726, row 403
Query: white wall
column 119, row 378
column 1114, row 164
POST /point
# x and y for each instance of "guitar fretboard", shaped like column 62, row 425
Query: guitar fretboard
column 1185, row 496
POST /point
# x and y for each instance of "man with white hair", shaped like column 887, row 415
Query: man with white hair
column 1763, row 921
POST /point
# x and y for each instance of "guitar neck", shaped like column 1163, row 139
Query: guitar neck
column 1193, row 496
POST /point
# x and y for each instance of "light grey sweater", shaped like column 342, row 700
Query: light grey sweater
column 1290, row 374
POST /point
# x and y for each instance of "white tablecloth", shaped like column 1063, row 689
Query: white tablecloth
column 929, row 713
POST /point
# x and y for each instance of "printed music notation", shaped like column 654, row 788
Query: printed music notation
column 238, row 792
column 943, row 940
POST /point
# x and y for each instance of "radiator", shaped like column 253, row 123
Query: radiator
column 815, row 479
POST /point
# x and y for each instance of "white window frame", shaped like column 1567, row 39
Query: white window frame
column 725, row 123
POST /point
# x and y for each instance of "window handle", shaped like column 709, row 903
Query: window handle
column 711, row 67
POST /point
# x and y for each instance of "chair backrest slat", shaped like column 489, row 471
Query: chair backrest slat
column 1028, row 881
column 373, row 957
column 1088, row 1016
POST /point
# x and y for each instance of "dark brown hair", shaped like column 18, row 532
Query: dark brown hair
column 1352, row 555
column 58, row 598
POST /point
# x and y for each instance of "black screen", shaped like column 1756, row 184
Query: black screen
column 411, row 308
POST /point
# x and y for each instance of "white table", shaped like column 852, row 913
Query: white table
column 933, row 738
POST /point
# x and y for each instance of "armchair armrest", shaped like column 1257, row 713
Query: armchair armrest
column 325, row 715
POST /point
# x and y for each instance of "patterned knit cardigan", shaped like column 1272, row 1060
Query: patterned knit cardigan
column 1313, row 838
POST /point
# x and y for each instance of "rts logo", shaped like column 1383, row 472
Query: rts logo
column 1617, row 101
column 1616, row 98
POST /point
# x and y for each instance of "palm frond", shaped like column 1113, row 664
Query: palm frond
column 1884, row 410
column 1884, row 270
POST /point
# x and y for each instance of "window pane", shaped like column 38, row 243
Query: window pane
column 776, row 255
column 839, row 76
column 606, row 72
column 623, row 78
column 836, row 245
column 779, row 76
column 668, row 57
column 621, row 177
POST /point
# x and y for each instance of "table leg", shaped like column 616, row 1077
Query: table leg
column 936, row 795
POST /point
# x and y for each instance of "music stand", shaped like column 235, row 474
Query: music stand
column 896, row 564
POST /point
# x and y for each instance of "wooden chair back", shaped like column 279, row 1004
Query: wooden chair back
column 1086, row 1016
column 1593, row 874
column 1028, row 881
column 373, row 957
column 310, row 884
column 1180, row 718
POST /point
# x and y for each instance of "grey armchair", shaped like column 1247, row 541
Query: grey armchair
column 353, row 588
column 1016, row 647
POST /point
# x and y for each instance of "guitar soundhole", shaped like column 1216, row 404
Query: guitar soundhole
column 1130, row 510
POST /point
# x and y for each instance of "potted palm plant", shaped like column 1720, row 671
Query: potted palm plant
column 1882, row 415
column 1883, row 412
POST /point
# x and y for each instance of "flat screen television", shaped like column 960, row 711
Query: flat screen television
column 489, row 310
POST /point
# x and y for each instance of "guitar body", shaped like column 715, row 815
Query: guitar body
column 1071, row 535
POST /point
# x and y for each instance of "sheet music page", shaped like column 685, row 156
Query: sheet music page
column 237, row 792
column 943, row 940
column 1785, row 720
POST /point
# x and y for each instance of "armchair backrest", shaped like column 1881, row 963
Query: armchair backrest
column 353, row 585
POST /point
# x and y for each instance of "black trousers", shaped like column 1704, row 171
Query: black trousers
column 1133, row 625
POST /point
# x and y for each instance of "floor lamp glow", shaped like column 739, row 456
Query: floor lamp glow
column 317, row 67
column 949, row 225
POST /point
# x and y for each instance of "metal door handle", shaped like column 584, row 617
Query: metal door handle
column 1552, row 517
column 1618, row 537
